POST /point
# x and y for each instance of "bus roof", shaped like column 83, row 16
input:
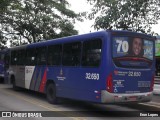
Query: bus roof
column 83, row 37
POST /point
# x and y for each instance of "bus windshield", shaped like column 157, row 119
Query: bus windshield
column 132, row 52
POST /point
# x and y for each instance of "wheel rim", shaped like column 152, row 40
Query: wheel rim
column 51, row 93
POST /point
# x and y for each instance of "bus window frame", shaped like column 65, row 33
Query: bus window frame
column 134, row 67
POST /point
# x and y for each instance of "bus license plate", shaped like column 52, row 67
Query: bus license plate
column 132, row 98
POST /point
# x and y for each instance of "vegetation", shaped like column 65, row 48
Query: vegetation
column 135, row 15
column 29, row 21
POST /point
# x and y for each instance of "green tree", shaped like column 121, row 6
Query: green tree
column 3, row 7
column 135, row 15
column 36, row 20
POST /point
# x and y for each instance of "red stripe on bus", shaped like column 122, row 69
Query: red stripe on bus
column 43, row 82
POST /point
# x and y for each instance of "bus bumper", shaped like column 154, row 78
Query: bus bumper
column 107, row 97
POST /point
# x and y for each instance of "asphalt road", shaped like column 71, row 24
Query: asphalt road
column 26, row 103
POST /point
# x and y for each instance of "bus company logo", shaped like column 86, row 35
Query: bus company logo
column 61, row 72
column 120, row 73
column 116, row 72
column 61, row 76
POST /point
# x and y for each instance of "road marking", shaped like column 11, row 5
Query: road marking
column 152, row 104
column 38, row 103
column 47, row 107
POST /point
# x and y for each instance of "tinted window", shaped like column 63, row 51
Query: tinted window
column 54, row 54
column 92, row 53
column 132, row 52
column 41, row 55
column 13, row 57
column 7, row 59
column 132, row 47
column 21, row 57
column 31, row 56
column 71, row 54
column 1, row 56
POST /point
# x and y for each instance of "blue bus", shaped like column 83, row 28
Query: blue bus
column 2, row 68
column 101, row 67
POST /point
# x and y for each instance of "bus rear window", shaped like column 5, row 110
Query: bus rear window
column 132, row 52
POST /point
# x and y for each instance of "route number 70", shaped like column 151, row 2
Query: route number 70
column 122, row 45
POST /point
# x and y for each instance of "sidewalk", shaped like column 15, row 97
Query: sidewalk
column 2, row 85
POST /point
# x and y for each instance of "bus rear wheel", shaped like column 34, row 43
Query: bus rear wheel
column 51, row 93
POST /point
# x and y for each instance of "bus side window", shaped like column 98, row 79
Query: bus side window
column 91, row 55
column 54, row 54
column 7, row 60
column 71, row 54
column 31, row 56
column 21, row 57
column 13, row 57
column 1, row 57
column 41, row 55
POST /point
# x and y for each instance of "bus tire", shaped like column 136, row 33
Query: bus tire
column 51, row 93
column 1, row 80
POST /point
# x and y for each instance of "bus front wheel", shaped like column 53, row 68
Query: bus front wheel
column 51, row 93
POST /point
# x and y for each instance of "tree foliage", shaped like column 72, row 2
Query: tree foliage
column 3, row 6
column 135, row 15
column 36, row 20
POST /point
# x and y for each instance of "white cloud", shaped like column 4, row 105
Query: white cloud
column 79, row 5
column 156, row 28
column 82, row 6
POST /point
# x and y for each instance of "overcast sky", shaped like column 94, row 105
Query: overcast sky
column 85, row 27
column 82, row 6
